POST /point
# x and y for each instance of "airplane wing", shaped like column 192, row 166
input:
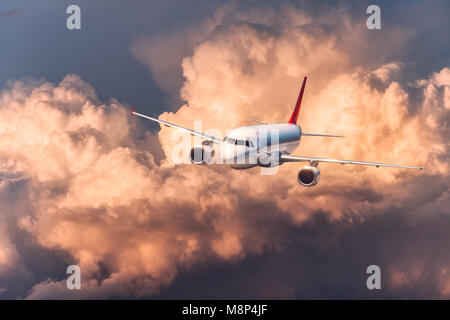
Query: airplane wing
column 168, row 124
column 292, row 158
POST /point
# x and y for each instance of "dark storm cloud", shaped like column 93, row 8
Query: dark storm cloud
column 36, row 263
column 408, row 35
column 325, row 259
column 267, row 253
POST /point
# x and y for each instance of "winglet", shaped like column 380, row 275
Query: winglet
column 294, row 116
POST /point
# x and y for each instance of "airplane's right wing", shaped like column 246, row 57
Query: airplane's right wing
column 292, row 158
column 168, row 124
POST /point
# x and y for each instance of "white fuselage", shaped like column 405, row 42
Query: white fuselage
column 249, row 146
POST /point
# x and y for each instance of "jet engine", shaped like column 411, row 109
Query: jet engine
column 308, row 176
column 201, row 154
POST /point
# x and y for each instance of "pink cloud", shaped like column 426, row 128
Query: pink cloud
column 98, row 194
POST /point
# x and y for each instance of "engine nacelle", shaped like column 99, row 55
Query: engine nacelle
column 308, row 176
column 201, row 154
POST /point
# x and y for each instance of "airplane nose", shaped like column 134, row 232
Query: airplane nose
column 230, row 158
column 240, row 157
column 232, row 155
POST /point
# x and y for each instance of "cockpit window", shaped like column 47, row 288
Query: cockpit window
column 245, row 143
column 229, row 140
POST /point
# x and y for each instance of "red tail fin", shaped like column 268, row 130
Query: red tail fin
column 294, row 115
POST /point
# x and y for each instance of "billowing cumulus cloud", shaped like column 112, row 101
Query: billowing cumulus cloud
column 92, row 191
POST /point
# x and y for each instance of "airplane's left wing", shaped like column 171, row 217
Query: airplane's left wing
column 168, row 124
column 292, row 158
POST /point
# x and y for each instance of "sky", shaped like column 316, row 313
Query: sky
column 83, row 182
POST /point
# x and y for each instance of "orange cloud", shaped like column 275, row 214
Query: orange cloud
column 104, row 200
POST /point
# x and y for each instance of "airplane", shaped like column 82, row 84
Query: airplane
column 265, row 145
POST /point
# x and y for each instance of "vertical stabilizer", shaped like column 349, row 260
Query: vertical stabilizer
column 294, row 115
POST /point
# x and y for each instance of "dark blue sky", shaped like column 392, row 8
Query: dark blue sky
column 36, row 42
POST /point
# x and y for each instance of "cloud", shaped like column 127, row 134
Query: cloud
column 97, row 195
column 8, row 252
column 173, row 46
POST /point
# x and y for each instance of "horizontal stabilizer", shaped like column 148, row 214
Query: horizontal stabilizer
column 257, row 121
column 321, row 135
